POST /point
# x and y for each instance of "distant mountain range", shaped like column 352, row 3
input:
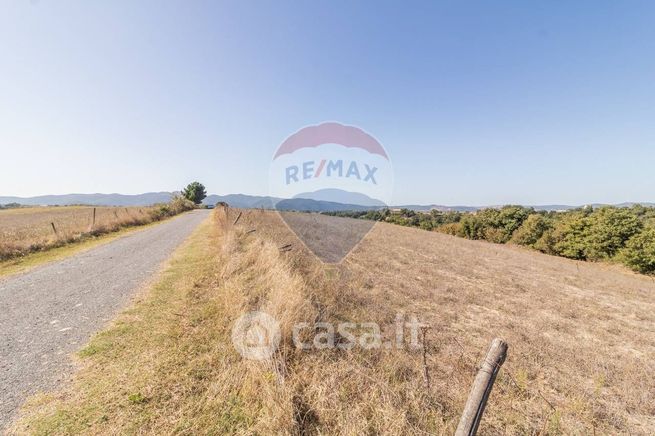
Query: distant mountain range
column 341, row 196
column 322, row 201
column 92, row 199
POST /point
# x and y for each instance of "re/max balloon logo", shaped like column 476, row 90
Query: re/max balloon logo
column 329, row 167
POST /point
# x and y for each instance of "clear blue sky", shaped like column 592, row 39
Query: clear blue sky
column 477, row 102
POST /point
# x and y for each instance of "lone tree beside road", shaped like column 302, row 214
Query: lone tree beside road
column 195, row 192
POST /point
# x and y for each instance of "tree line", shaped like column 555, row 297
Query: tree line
column 625, row 235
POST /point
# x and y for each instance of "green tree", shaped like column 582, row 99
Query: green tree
column 570, row 236
column 511, row 218
column 495, row 225
column 531, row 230
column 639, row 252
column 609, row 230
column 546, row 244
column 472, row 227
column 194, row 192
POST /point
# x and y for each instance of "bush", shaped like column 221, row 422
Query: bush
column 180, row 204
column 570, row 236
column 454, row 229
column 177, row 205
column 546, row 244
column 511, row 218
column 426, row 225
column 439, row 218
column 595, row 235
column 609, row 230
column 472, row 227
column 495, row 235
column 531, row 231
column 639, row 252
column 495, row 225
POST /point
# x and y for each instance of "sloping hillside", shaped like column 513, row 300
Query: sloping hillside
column 581, row 335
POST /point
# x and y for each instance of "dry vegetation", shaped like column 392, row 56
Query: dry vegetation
column 582, row 342
column 30, row 229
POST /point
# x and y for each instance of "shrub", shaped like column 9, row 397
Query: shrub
column 546, row 244
column 639, row 252
column 494, row 234
column 454, row 229
column 180, row 204
column 426, row 225
column 495, row 225
column 472, row 227
column 609, row 230
column 511, row 218
column 531, row 231
column 177, row 205
column 570, row 236
column 449, row 217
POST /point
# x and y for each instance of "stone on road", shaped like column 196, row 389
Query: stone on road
column 48, row 313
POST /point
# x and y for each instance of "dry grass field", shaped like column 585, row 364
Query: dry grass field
column 581, row 341
column 31, row 229
column 581, row 335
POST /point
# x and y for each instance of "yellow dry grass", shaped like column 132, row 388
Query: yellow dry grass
column 19, row 264
column 31, row 229
column 581, row 337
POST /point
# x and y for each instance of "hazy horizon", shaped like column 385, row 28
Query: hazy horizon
column 476, row 103
column 436, row 203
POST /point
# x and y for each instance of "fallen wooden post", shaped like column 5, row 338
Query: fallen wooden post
column 484, row 381
column 237, row 220
column 54, row 229
column 286, row 247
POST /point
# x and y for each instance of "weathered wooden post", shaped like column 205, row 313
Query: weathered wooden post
column 484, row 381
column 426, row 371
column 94, row 218
column 238, row 217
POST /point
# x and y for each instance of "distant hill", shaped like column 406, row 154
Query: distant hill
column 309, row 205
column 341, row 196
column 92, row 199
column 320, row 201
column 428, row 207
column 243, row 201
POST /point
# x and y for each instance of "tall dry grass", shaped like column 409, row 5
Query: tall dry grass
column 581, row 337
column 31, row 229
column 357, row 391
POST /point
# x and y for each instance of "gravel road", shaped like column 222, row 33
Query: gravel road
column 49, row 312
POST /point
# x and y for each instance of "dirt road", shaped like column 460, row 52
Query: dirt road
column 51, row 311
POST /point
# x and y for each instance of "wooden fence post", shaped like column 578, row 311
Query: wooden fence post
column 484, row 381
column 54, row 229
column 237, row 220
column 426, row 370
column 94, row 218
